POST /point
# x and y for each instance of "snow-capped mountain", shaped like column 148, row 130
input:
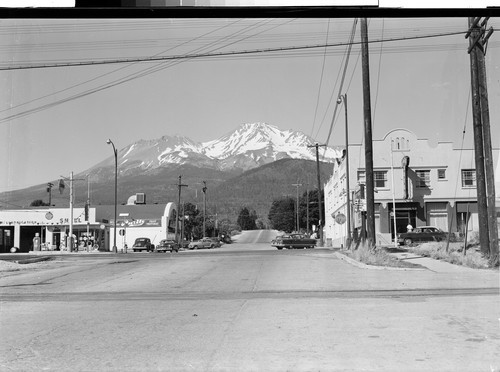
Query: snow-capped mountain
column 249, row 146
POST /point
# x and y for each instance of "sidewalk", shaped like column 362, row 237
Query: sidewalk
column 427, row 263
column 431, row 263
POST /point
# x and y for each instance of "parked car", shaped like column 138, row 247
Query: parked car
column 202, row 243
column 226, row 238
column 421, row 234
column 216, row 241
column 167, row 245
column 143, row 244
column 292, row 241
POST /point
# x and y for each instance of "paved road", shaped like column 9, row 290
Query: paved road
column 245, row 308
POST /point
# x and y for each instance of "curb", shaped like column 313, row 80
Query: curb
column 32, row 260
column 373, row 267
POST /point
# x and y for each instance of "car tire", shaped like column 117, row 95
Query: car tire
column 279, row 248
column 211, row 246
column 408, row 241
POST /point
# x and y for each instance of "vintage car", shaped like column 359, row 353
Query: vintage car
column 216, row 241
column 421, row 234
column 202, row 243
column 143, row 244
column 292, row 241
column 167, row 245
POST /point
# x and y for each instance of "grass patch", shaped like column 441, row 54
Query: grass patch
column 377, row 257
column 455, row 255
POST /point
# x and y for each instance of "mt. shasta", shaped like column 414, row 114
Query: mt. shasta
column 249, row 146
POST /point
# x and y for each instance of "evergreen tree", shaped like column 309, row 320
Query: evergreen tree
column 282, row 214
column 191, row 221
column 313, row 209
column 38, row 203
column 246, row 220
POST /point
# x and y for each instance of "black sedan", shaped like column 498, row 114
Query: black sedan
column 167, row 245
column 421, row 234
column 293, row 241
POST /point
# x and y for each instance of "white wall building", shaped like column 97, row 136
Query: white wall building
column 437, row 187
column 18, row 227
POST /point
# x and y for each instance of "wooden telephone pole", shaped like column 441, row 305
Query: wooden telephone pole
column 204, row 189
column 485, row 180
column 370, row 184
column 320, row 204
column 177, row 235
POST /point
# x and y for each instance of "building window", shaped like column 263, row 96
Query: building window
column 468, row 178
column 380, row 178
column 441, row 174
column 361, row 177
column 424, row 178
column 400, row 144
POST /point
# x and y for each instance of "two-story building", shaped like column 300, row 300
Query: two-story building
column 417, row 182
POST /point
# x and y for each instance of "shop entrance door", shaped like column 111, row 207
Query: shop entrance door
column 6, row 239
column 27, row 235
column 403, row 218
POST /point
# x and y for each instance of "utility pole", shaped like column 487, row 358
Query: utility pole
column 177, row 235
column 87, row 210
column 307, row 208
column 348, row 190
column 71, row 201
column 204, row 189
column 49, row 190
column 69, row 239
column 297, row 226
column 320, row 204
column 485, row 180
column 370, row 185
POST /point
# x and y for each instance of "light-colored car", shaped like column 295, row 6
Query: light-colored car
column 216, row 241
column 202, row 243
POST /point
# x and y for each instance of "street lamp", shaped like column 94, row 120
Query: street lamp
column 204, row 189
column 348, row 201
column 297, row 227
column 115, row 152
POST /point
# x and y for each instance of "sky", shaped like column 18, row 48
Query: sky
column 56, row 118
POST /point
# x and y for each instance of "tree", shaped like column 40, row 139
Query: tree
column 282, row 214
column 313, row 209
column 38, row 203
column 246, row 220
column 190, row 222
column 260, row 224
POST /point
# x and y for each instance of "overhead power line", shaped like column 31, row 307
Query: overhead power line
column 218, row 54
column 158, row 67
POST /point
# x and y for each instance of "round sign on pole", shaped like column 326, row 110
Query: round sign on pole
column 121, row 232
column 340, row 218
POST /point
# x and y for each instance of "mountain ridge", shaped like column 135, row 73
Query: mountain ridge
column 250, row 145
column 250, row 167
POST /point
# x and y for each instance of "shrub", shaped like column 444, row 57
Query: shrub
column 455, row 255
column 376, row 257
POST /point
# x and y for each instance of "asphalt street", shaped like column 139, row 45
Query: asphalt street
column 245, row 307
